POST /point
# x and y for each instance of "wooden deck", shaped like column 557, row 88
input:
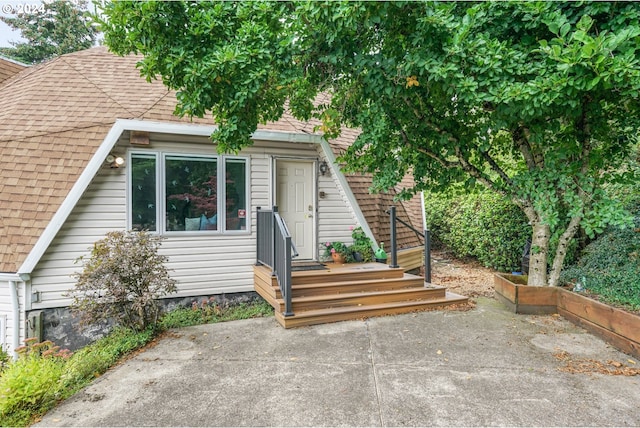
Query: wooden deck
column 351, row 291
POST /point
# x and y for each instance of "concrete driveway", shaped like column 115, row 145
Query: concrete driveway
column 484, row 367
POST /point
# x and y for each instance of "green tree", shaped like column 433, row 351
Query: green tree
column 537, row 101
column 51, row 29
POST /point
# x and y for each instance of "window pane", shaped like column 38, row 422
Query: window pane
column 191, row 193
column 236, row 194
column 143, row 192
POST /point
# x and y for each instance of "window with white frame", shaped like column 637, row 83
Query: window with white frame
column 187, row 193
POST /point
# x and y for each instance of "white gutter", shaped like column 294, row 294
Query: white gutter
column 207, row 130
column 105, row 148
column 15, row 306
column 326, row 147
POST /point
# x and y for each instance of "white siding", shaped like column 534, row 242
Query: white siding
column 201, row 264
column 6, row 315
column 335, row 215
column 7, row 322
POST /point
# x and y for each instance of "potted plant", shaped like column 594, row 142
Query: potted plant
column 361, row 248
column 337, row 251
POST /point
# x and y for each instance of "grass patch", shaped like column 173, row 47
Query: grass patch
column 210, row 311
column 44, row 375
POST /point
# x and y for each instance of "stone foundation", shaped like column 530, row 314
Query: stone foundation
column 61, row 327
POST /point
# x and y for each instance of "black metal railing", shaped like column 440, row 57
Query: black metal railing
column 264, row 237
column 394, row 242
column 274, row 248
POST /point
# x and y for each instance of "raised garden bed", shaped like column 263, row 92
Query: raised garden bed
column 617, row 327
column 513, row 291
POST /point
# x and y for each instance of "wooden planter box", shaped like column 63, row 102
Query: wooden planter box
column 619, row 328
column 513, row 291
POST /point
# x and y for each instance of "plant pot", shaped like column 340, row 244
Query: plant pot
column 381, row 260
column 357, row 257
column 337, row 258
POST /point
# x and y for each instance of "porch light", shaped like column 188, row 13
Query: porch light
column 115, row 161
column 323, row 167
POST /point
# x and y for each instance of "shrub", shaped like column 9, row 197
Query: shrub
column 121, row 281
column 610, row 267
column 482, row 225
column 32, row 382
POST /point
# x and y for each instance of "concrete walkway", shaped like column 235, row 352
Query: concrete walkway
column 485, row 367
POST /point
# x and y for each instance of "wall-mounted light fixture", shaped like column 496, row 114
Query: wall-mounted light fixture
column 323, row 167
column 115, row 161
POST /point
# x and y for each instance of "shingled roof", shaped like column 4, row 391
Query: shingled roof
column 9, row 68
column 53, row 118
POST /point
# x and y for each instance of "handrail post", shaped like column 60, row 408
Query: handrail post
column 427, row 256
column 288, row 306
column 258, row 238
column 273, row 241
column 394, row 252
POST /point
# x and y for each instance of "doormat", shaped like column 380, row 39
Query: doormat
column 302, row 266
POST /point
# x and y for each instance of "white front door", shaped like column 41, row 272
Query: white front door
column 296, row 203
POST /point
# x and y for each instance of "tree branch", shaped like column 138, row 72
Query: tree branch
column 518, row 136
column 496, row 168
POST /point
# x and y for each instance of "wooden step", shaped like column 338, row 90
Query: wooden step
column 361, row 298
column 322, row 316
column 352, row 291
column 336, row 281
column 330, row 288
column 346, row 272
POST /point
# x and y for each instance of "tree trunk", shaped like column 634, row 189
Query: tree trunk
column 538, row 255
column 561, row 251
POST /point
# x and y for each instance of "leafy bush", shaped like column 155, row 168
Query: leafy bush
column 481, row 225
column 121, row 281
column 32, row 382
column 610, row 267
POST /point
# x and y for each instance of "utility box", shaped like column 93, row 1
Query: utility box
column 35, row 324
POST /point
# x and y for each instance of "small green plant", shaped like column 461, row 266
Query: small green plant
column 362, row 245
column 31, row 383
column 338, row 247
column 121, row 281
column 210, row 311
